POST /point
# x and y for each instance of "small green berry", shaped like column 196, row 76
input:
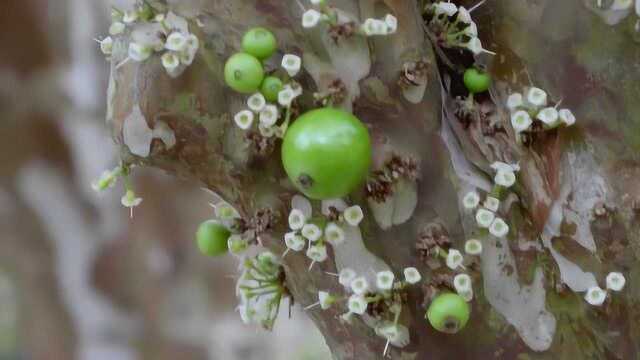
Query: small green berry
column 448, row 313
column 270, row 88
column 259, row 42
column 476, row 81
column 212, row 238
column 243, row 73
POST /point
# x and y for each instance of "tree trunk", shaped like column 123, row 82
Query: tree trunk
column 573, row 212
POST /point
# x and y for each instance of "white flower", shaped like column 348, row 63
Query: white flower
column 445, row 8
column 236, row 244
column 521, row 121
column 396, row 334
column 357, row 304
column 595, row 296
column 471, row 200
column 501, row 166
column 615, row 281
column 243, row 119
column 176, row 41
column 412, row 275
column 484, row 218
column 294, row 241
column 325, row 299
column 107, row 179
column 384, row 280
column 514, row 101
column 130, row 200
column 346, row 276
column 285, row 97
column 292, row 64
column 464, row 15
column 492, row 203
column 359, row 285
column 311, row 232
column 267, row 131
column 256, row 102
column 269, row 115
column 130, row 16
column 549, row 116
column 567, row 117
column 334, row 234
column 317, row 253
column 475, row 46
column 473, row 247
column 454, row 259
column 353, row 215
column 466, row 295
column 117, row 28
column 311, row 18
column 106, row 45
column 171, row 62
column 536, row 97
column 462, row 283
column 472, row 31
column 139, row 52
column 499, row 228
column 296, row 219
column 505, row 178
column 372, row 27
column 392, row 23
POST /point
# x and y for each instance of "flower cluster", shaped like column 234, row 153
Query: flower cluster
column 532, row 106
column 597, row 296
column 261, row 289
column 268, row 113
column 313, row 233
column 154, row 32
column 382, row 300
column 370, row 27
column 454, row 27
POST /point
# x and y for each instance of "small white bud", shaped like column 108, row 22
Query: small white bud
column 170, row 61
column 117, row 28
column 384, row 280
column 285, row 97
column 359, row 285
column 464, row 15
column 292, row 64
column 514, row 101
column 357, row 304
column 372, row 27
column 317, row 253
column 269, row 116
column 346, row 276
column 521, row 121
column 445, row 8
column 462, row 283
column 492, row 203
column 484, row 218
column 353, row 215
column 567, row 117
column 471, row 200
column 392, row 23
column 454, row 259
column 505, row 178
column 615, row 281
column 325, row 299
column 311, row 18
column 473, row 247
column 412, row 275
column 176, row 42
column 139, row 52
column 334, row 234
column 475, row 46
column 243, row 119
column 549, row 116
column 312, row 232
column 257, row 102
column 294, row 241
column 595, row 296
column 130, row 200
column 499, row 228
column 296, row 219
column 536, row 97
column 106, row 45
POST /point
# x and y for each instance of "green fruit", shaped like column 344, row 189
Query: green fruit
column 448, row 313
column 212, row 238
column 326, row 153
column 243, row 73
column 476, row 81
column 270, row 88
column 259, row 42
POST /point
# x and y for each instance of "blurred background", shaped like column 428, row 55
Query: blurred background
column 79, row 279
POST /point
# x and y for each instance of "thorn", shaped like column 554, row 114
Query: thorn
column 310, row 266
column 122, row 63
column 489, row 52
column 332, row 274
column 386, row 348
column 131, row 212
column 97, row 40
column 477, row 5
column 312, row 305
column 285, row 253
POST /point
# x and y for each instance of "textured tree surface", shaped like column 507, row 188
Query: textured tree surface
column 574, row 210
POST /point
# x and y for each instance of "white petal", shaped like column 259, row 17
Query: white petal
column 311, row 18
column 292, row 64
column 566, row 116
column 514, row 101
column 243, row 119
column 595, row 296
column 484, row 218
column 549, row 116
column 412, row 275
column 615, row 281
column 473, row 247
column 303, row 204
column 139, row 52
column 521, row 121
column 536, row 97
column 256, row 102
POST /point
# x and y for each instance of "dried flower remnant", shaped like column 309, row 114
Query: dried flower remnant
column 380, row 185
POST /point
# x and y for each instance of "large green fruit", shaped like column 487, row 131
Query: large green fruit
column 212, row 238
column 448, row 313
column 327, row 153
